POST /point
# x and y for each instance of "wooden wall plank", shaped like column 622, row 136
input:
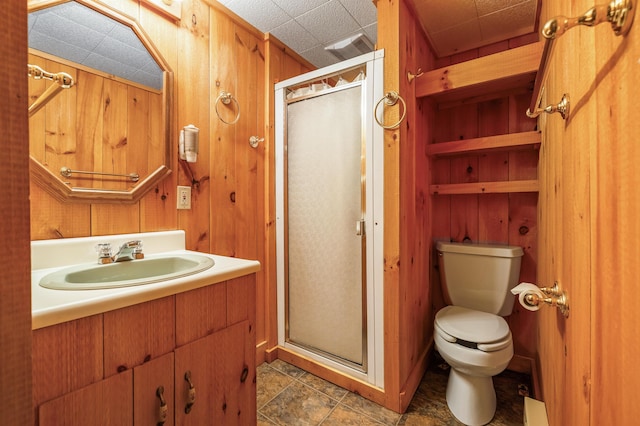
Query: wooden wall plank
column 15, row 299
column 52, row 219
column 158, row 207
column 89, row 122
column 223, row 173
column 388, row 39
column 564, row 345
column 193, row 93
column 615, row 229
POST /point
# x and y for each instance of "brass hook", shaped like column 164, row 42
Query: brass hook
column 411, row 77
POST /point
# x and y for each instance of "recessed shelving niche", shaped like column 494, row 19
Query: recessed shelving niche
column 475, row 82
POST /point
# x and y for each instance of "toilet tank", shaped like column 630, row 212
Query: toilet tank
column 479, row 276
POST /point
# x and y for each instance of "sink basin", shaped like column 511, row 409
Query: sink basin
column 124, row 274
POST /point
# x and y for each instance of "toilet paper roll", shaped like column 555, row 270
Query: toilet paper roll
column 524, row 289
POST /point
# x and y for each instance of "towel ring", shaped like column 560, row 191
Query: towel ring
column 226, row 99
column 390, row 99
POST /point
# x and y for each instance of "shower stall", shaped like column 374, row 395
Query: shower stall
column 329, row 219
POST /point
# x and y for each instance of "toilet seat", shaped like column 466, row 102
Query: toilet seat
column 473, row 329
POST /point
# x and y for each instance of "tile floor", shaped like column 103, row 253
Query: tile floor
column 288, row 395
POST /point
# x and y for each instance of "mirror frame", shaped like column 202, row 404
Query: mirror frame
column 60, row 190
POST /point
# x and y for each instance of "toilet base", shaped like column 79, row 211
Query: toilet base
column 471, row 399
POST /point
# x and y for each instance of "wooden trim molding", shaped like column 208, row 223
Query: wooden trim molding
column 63, row 192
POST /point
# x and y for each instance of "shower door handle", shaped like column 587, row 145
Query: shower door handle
column 360, row 227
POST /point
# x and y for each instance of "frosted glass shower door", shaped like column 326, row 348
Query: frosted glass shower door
column 325, row 187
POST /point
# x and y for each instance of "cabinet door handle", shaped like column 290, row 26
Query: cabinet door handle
column 164, row 410
column 191, row 395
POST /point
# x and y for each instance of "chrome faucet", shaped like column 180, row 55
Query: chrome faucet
column 128, row 251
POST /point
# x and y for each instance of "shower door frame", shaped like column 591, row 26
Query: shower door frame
column 372, row 88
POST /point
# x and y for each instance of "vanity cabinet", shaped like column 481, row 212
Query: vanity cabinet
column 193, row 352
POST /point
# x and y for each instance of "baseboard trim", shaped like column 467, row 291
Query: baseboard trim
column 352, row 384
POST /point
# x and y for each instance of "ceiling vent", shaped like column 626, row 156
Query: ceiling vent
column 350, row 47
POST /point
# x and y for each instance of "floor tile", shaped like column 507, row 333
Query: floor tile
column 288, row 395
column 271, row 382
column 298, row 404
column 345, row 416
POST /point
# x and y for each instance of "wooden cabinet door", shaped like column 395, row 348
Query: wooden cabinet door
column 234, row 376
column 194, row 362
column 221, row 368
column 153, row 394
column 105, row 403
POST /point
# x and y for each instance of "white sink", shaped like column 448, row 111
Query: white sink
column 153, row 269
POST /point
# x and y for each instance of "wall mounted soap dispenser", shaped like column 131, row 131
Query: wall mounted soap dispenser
column 188, row 145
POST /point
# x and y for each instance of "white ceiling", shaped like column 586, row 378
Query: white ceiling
column 459, row 25
column 308, row 26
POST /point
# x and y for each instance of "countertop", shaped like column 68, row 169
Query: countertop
column 51, row 307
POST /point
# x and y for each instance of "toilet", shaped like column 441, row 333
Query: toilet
column 470, row 333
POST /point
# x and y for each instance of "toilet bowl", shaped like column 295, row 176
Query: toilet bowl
column 470, row 333
column 477, row 345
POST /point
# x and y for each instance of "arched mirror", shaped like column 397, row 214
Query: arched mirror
column 107, row 137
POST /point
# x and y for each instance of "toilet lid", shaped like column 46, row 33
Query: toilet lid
column 471, row 325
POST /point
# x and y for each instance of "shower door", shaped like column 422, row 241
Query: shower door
column 325, row 236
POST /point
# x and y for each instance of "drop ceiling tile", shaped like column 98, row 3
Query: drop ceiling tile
column 371, row 31
column 319, row 57
column 295, row 8
column 457, row 39
column 508, row 23
column 296, row 37
column 329, row 22
column 486, row 7
column 363, row 11
column 437, row 15
column 262, row 14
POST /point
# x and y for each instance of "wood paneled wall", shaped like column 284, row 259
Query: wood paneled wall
column 15, row 294
column 407, row 240
column 589, row 232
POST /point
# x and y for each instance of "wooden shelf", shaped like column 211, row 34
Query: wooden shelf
column 489, row 73
column 512, row 141
column 485, row 187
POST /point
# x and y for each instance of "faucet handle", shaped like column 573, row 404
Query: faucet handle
column 104, row 253
column 137, row 250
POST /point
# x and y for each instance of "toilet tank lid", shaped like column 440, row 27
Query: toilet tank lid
column 497, row 250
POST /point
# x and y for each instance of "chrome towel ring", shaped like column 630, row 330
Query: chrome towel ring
column 390, row 99
column 226, row 98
